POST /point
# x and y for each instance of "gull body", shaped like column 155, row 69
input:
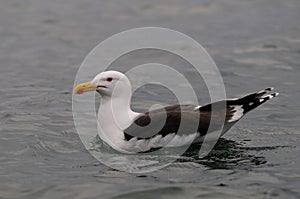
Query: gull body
column 126, row 130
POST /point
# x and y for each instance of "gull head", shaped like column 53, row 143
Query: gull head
column 107, row 84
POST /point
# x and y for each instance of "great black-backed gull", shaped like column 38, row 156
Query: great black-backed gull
column 120, row 126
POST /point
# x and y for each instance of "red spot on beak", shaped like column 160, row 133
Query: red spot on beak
column 80, row 91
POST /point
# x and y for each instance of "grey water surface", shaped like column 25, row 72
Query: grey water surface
column 255, row 44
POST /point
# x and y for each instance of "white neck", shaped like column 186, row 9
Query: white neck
column 114, row 116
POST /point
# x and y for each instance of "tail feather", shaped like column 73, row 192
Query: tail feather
column 236, row 109
column 253, row 100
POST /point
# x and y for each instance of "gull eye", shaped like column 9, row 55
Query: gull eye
column 109, row 79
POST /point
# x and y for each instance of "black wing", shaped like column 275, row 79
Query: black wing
column 188, row 119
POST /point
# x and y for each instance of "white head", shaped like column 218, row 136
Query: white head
column 109, row 84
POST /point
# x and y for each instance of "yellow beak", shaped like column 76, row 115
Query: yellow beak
column 84, row 87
